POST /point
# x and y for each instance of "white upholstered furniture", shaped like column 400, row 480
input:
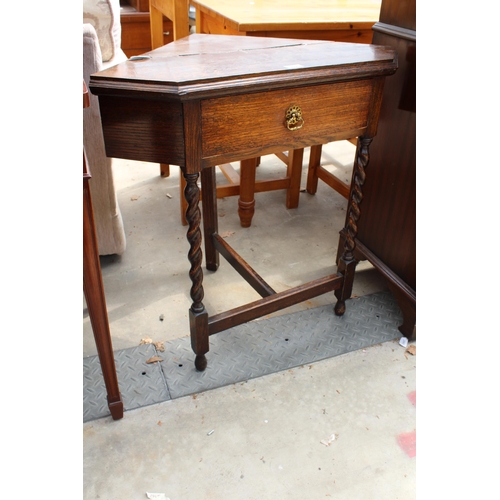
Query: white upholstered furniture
column 101, row 49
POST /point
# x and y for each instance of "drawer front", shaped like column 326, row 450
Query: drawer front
column 254, row 124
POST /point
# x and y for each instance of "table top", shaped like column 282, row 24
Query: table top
column 210, row 65
column 261, row 15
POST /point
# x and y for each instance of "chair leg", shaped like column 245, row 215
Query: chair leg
column 246, row 202
column 156, row 24
column 312, row 173
column 164, row 169
column 294, row 172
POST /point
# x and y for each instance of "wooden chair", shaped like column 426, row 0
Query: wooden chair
column 317, row 171
column 243, row 184
column 178, row 12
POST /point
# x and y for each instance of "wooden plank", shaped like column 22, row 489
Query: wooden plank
column 242, row 267
column 273, row 303
column 223, row 191
column 333, row 181
column 230, row 173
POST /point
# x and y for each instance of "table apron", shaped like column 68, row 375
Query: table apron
column 143, row 129
column 234, row 127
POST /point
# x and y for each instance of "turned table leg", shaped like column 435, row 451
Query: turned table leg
column 198, row 316
column 347, row 262
column 246, row 202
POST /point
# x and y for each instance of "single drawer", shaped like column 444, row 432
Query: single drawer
column 254, row 124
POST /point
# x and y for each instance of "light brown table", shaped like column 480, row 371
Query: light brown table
column 336, row 20
column 176, row 11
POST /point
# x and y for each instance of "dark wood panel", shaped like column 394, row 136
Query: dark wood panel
column 138, row 129
column 349, row 36
column 387, row 225
column 401, row 13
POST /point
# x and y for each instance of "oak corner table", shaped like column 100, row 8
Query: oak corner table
column 205, row 100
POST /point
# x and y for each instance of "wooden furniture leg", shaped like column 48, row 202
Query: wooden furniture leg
column 156, row 25
column 316, row 171
column 175, row 10
column 164, row 169
column 246, row 202
column 314, row 163
column 198, row 316
column 347, row 263
column 96, row 303
column 294, row 172
column 407, row 304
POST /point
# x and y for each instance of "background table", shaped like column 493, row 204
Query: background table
column 337, row 20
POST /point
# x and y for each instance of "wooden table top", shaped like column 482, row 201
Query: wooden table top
column 262, row 15
column 206, row 65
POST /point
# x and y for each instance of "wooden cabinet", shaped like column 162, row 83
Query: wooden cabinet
column 387, row 225
column 136, row 32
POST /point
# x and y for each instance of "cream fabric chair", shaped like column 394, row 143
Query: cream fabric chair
column 101, row 49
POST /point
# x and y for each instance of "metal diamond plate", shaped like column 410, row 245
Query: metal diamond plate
column 247, row 351
column 275, row 344
column 141, row 384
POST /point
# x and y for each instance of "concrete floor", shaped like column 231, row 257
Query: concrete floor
column 272, row 436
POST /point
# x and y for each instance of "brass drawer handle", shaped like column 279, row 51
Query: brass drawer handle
column 293, row 118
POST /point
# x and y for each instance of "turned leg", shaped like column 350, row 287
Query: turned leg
column 246, row 202
column 198, row 316
column 347, row 262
